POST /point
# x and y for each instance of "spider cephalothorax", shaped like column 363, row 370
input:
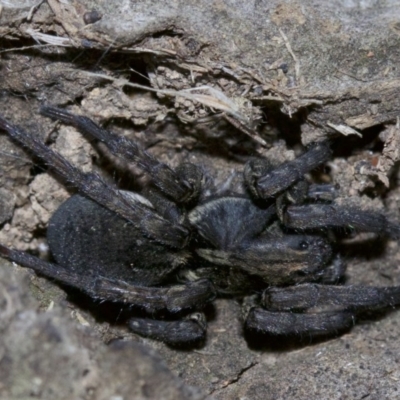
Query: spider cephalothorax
column 173, row 249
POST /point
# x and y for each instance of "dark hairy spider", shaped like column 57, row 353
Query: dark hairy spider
column 173, row 248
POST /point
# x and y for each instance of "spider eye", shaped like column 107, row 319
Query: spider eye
column 303, row 245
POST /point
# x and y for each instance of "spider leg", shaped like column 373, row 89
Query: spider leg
column 320, row 216
column 93, row 186
column 173, row 299
column 316, row 296
column 190, row 329
column 302, row 190
column 289, row 259
column 265, row 182
column 297, row 324
column 322, row 192
column 315, row 309
column 182, row 185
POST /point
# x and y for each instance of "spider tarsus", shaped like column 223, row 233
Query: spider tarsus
column 47, row 269
column 293, row 324
column 323, row 216
column 275, row 181
column 319, row 297
column 191, row 329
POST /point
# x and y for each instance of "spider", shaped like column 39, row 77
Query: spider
column 172, row 249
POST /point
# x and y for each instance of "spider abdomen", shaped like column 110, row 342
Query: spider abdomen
column 86, row 236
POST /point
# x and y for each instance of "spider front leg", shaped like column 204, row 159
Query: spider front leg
column 286, row 183
column 93, row 186
column 313, row 309
column 182, row 185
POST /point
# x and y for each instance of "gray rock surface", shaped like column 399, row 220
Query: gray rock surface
column 296, row 71
column 48, row 355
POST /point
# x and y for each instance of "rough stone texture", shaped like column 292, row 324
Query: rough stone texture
column 295, row 71
column 49, row 355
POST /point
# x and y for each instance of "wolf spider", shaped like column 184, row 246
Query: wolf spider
column 172, row 249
